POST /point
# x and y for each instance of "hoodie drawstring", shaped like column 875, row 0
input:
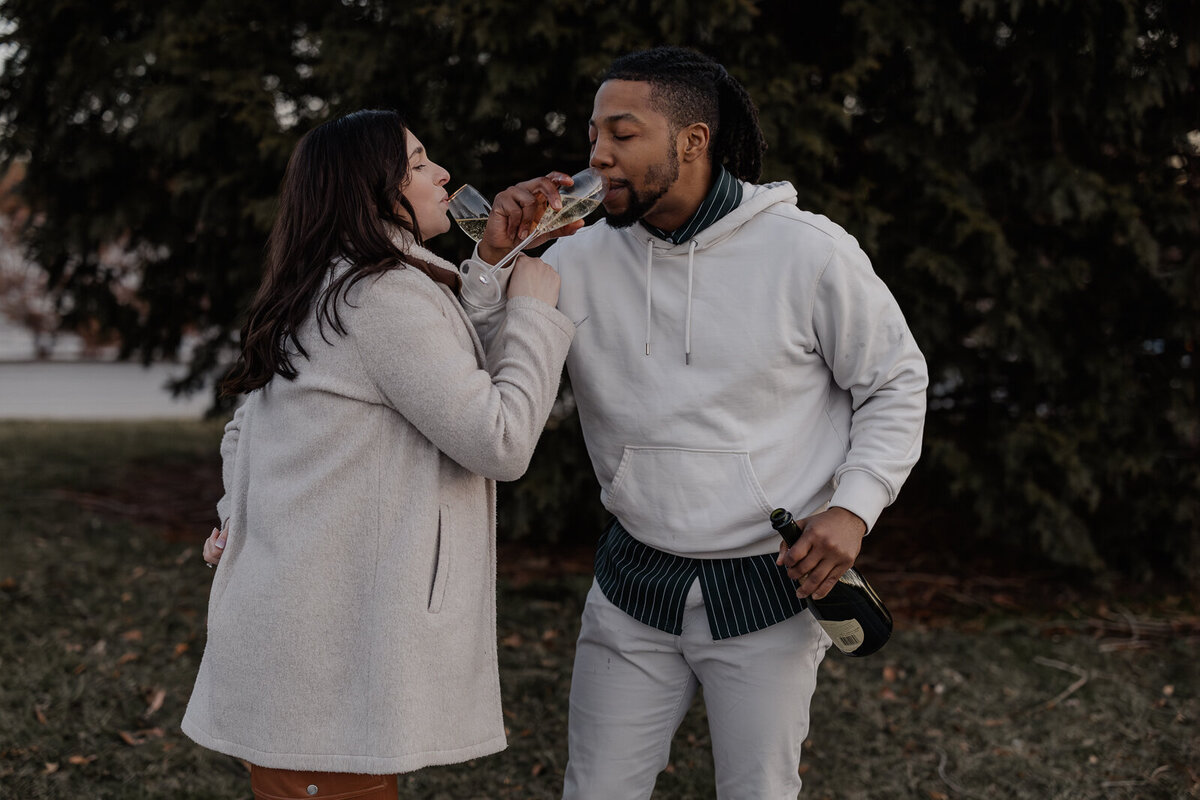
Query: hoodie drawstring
column 649, row 268
column 687, row 322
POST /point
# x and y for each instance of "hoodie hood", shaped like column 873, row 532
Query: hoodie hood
column 755, row 199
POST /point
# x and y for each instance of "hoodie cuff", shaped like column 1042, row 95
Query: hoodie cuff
column 863, row 494
column 476, row 293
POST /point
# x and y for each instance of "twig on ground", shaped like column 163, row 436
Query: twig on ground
column 1070, row 690
column 1131, row 621
column 941, row 771
column 1139, row 630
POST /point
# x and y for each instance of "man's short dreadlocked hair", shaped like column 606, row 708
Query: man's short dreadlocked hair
column 688, row 87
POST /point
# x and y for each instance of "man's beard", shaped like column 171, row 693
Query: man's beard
column 659, row 179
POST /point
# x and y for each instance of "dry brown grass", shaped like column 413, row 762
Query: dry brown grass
column 999, row 683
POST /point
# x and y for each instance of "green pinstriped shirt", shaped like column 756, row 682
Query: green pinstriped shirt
column 724, row 196
column 740, row 594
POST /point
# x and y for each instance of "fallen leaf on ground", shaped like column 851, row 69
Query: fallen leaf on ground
column 141, row 736
column 155, row 702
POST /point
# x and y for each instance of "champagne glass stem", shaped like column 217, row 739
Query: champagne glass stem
column 494, row 270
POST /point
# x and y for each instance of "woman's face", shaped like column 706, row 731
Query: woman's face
column 425, row 191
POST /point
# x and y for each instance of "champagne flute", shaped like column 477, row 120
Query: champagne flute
column 470, row 210
column 579, row 199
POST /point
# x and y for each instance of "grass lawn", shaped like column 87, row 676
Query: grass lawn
column 996, row 685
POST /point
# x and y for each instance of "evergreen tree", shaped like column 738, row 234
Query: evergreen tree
column 1024, row 176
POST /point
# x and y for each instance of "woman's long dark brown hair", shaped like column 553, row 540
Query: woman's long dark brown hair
column 339, row 199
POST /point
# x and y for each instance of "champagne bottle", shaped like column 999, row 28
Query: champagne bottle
column 852, row 614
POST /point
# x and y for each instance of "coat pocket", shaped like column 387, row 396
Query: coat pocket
column 686, row 501
column 441, row 561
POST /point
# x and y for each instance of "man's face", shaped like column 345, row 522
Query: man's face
column 633, row 148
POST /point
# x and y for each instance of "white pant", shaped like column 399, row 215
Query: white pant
column 633, row 684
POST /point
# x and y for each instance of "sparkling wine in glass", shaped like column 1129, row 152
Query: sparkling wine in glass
column 579, row 199
column 470, row 210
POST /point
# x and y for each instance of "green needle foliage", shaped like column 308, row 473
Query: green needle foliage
column 1024, row 175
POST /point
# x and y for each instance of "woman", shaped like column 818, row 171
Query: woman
column 351, row 625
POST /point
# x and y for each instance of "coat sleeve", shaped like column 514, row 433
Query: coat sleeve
column 487, row 420
column 229, row 445
column 483, row 308
column 863, row 337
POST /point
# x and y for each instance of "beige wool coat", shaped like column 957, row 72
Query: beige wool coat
column 351, row 623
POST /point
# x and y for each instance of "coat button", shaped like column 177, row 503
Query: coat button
column 312, row 788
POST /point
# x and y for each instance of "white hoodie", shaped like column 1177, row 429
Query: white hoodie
column 760, row 364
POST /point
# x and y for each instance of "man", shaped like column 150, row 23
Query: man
column 732, row 354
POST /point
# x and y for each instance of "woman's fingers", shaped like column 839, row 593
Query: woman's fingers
column 214, row 545
column 533, row 277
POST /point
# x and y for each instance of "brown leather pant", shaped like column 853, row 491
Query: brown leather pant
column 291, row 784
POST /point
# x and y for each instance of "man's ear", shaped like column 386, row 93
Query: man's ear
column 693, row 141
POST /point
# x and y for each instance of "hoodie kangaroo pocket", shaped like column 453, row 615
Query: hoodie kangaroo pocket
column 685, row 500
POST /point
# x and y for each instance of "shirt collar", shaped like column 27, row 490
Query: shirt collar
column 724, row 196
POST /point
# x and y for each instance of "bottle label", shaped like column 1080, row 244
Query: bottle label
column 846, row 634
